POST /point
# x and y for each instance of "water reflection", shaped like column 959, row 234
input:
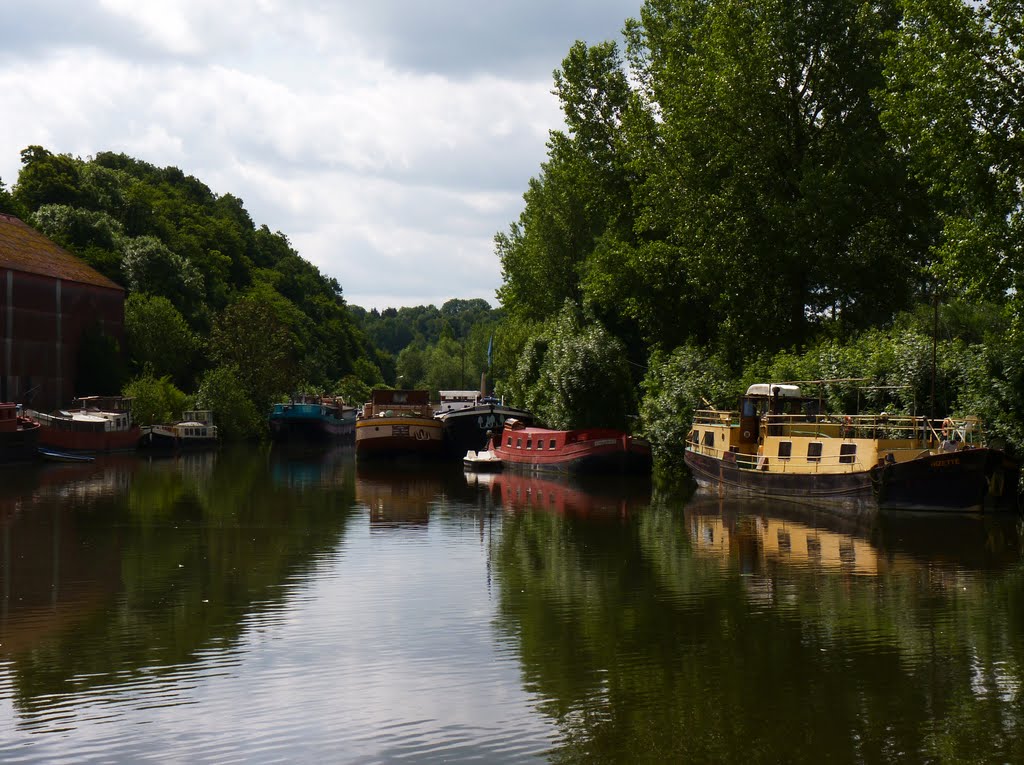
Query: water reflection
column 112, row 567
column 758, row 533
column 590, row 496
column 293, row 604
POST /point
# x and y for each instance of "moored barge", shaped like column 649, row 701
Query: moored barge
column 781, row 444
column 586, row 450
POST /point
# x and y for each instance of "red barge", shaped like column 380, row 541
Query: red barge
column 94, row 424
column 587, row 450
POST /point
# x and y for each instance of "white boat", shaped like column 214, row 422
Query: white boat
column 196, row 430
column 482, row 461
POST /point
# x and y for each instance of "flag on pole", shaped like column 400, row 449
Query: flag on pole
column 490, row 346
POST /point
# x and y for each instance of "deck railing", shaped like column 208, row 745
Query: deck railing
column 875, row 426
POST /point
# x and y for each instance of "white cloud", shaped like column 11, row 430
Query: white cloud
column 389, row 141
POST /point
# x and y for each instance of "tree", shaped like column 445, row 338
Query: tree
column 155, row 399
column 953, row 104
column 575, row 375
column 763, row 163
column 581, row 193
column 252, row 341
column 46, row 178
column 150, row 266
column 158, row 337
column 237, row 417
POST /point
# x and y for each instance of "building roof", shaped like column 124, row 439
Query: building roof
column 22, row 248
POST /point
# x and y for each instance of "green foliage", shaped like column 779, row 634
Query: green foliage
column 581, row 194
column 8, row 205
column 575, row 375
column 160, row 232
column 677, row 384
column 410, row 368
column 952, row 107
column 223, row 392
column 158, row 337
column 150, row 266
column 155, row 399
column 251, row 340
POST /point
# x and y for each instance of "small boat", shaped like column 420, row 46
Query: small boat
column 195, row 431
column 780, row 443
column 19, row 434
column 588, row 450
column 482, row 461
column 398, row 423
column 471, row 421
column 51, row 455
column 92, row 424
column 313, row 419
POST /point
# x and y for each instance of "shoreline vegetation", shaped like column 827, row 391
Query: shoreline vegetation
column 747, row 192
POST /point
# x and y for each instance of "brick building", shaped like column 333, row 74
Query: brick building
column 48, row 300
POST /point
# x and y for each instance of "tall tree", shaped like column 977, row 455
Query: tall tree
column 581, row 194
column 954, row 104
column 764, row 165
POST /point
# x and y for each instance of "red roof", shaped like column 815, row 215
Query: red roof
column 22, row 248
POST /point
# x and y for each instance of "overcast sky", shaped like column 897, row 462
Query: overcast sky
column 389, row 140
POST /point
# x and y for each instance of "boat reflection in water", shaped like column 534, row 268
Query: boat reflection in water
column 299, row 466
column 760, row 535
column 399, row 495
column 597, row 496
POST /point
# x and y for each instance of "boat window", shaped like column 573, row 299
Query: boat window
column 785, row 449
column 847, row 453
column 749, row 407
column 709, row 438
column 814, row 452
column 551, row 444
column 519, row 443
column 529, row 443
column 694, row 437
column 510, row 441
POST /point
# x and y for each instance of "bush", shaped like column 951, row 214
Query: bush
column 235, row 415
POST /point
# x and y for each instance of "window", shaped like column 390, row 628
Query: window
column 519, row 443
column 847, row 453
column 709, row 438
column 814, row 452
column 510, row 442
column 694, row 437
column 551, row 444
column 785, row 449
column 529, row 443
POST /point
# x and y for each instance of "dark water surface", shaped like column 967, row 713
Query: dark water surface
column 262, row 606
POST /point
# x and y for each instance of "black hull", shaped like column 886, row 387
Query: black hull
column 466, row 429
column 968, row 480
column 853, row 489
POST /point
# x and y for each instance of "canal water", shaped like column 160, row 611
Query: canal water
column 265, row 606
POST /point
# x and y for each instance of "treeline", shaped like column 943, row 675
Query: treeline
column 771, row 189
column 215, row 305
column 432, row 348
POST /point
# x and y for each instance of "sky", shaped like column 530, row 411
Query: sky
column 389, row 141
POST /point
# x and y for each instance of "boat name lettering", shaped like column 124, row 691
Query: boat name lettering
column 946, row 462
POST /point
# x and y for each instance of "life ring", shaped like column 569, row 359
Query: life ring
column 947, row 428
